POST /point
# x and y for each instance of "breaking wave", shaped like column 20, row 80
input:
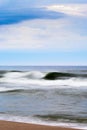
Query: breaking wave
column 20, row 74
column 40, row 121
column 63, row 117
column 39, row 75
column 19, row 80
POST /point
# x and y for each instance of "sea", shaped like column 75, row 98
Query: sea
column 47, row 95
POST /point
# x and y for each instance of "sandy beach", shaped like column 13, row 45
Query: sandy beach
column 7, row 125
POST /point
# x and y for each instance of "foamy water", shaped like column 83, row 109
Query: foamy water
column 27, row 96
column 40, row 122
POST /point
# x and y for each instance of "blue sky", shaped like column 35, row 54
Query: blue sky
column 49, row 32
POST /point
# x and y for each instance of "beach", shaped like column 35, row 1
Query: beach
column 7, row 125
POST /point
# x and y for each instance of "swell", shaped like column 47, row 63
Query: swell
column 63, row 75
column 62, row 117
column 58, row 75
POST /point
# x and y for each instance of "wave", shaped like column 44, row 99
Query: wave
column 5, row 90
column 21, row 74
column 19, row 85
column 37, row 120
column 39, row 75
column 12, row 80
column 63, row 75
column 63, row 117
column 58, row 75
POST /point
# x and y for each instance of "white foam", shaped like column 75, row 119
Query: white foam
column 50, row 83
column 40, row 122
column 13, row 75
column 18, row 75
column 33, row 80
column 37, row 75
column 34, row 74
column 3, row 89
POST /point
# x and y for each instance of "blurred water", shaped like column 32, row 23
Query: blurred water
column 58, row 101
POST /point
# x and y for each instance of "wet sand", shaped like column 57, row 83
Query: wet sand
column 8, row 125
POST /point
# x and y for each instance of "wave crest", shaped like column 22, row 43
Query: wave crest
column 39, row 75
column 20, row 74
column 56, row 75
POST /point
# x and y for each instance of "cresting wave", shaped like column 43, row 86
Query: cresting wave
column 18, row 80
column 21, row 80
column 39, row 75
column 21, row 74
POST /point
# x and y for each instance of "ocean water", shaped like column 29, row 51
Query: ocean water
column 49, row 95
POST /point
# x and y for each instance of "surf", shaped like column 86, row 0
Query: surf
column 22, row 80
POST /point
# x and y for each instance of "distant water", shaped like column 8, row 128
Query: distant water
column 27, row 96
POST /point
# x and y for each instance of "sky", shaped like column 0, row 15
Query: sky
column 48, row 32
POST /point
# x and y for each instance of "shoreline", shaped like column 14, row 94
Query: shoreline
column 10, row 125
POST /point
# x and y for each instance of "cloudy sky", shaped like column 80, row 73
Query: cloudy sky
column 48, row 32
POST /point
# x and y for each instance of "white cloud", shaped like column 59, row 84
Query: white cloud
column 70, row 9
column 15, row 37
column 41, row 34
